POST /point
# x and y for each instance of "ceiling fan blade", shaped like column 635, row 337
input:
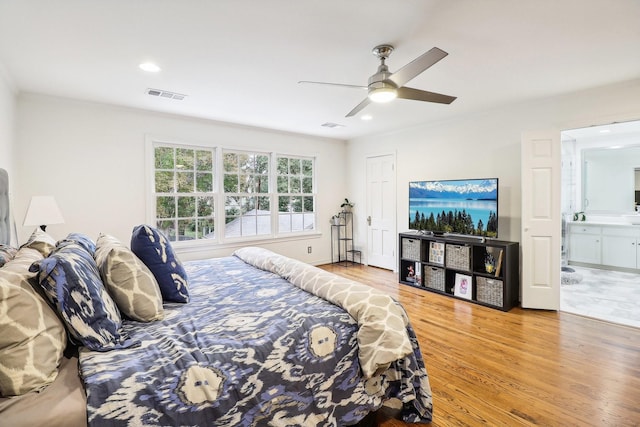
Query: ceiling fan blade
column 423, row 95
column 332, row 84
column 417, row 66
column 359, row 107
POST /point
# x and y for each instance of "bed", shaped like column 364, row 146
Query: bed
column 260, row 340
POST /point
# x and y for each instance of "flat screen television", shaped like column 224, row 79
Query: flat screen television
column 462, row 206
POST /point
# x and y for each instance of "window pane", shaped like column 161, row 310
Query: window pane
column 283, row 165
column 296, row 204
column 262, row 184
column 284, row 223
column 309, row 220
column 295, row 184
column 168, row 228
column 230, row 162
column 184, row 159
column 263, row 224
column 249, row 225
column 165, row 207
column 283, row 184
column 232, row 227
column 307, row 203
column 164, row 182
column 231, row 183
column 294, row 166
column 262, row 164
column 185, row 182
column 186, row 207
column 186, row 229
column 204, row 160
column 307, row 167
column 297, row 222
column 191, row 174
column 205, row 206
column 232, row 206
column 246, row 184
column 206, row 229
column 307, row 185
column 245, row 162
column 204, row 182
column 164, row 158
column 283, row 203
column 248, row 205
column 264, row 204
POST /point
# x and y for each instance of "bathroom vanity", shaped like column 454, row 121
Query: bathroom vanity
column 604, row 244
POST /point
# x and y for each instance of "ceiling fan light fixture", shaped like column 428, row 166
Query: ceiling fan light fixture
column 383, row 94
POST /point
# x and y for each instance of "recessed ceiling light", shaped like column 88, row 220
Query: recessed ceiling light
column 366, row 117
column 605, row 130
column 149, row 67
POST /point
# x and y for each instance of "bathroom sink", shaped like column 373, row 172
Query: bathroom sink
column 632, row 219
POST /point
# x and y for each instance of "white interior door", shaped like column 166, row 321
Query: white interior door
column 541, row 223
column 381, row 211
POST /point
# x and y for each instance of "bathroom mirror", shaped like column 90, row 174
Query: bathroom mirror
column 609, row 181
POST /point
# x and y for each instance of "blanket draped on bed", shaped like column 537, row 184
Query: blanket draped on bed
column 251, row 348
column 382, row 322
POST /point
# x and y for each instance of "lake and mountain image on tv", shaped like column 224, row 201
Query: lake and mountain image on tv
column 468, row 206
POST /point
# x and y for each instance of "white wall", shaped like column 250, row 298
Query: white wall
column 484, row 145
column 7, row 119
column 91, row 158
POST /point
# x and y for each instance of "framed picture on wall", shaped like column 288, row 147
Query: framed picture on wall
column 463, row 286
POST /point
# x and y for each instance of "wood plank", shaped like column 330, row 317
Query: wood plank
column 520, row 368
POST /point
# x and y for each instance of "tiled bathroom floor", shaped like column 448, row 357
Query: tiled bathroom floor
column 607, row 295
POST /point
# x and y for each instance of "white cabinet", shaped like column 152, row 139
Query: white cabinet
column 585, row 243
column 609, row 245
column 620, row 246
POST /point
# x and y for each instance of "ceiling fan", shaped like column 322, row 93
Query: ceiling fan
column 384, row 86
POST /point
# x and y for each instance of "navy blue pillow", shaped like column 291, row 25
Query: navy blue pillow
column 154, row 249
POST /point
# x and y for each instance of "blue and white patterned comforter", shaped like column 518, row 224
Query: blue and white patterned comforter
column 249, row 349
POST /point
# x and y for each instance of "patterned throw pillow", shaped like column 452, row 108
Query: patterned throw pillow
column 41, row 241
column 81, row 239
column 7, row 253
column 130, row 283
column 154, row 249
column 71, row 281
column 33, row 338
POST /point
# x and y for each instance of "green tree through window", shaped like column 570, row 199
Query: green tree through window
column 184, row 196
column 259, row 194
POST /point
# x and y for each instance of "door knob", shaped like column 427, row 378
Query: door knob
column 369, row 220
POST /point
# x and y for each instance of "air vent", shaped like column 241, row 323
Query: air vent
column 331, row 125
column 166, row 94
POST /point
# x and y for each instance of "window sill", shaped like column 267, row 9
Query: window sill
column 199, row 246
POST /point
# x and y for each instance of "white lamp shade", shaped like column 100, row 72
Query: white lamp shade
column 43, row 210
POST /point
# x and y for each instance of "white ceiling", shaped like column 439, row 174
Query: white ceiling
column 240, row 61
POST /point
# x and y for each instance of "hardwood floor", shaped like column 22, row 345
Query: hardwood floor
column 521, row 368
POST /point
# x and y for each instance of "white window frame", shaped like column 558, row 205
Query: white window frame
column 176, row 194
column 220, row 240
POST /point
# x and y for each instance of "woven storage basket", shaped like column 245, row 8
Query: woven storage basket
column 489, row 291
column 458, row 257
column 434, row 278
column 411, row 249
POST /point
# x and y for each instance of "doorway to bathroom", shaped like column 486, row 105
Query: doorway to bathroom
column 600, row 263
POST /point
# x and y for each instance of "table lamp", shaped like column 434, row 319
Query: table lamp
column 43, row 211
